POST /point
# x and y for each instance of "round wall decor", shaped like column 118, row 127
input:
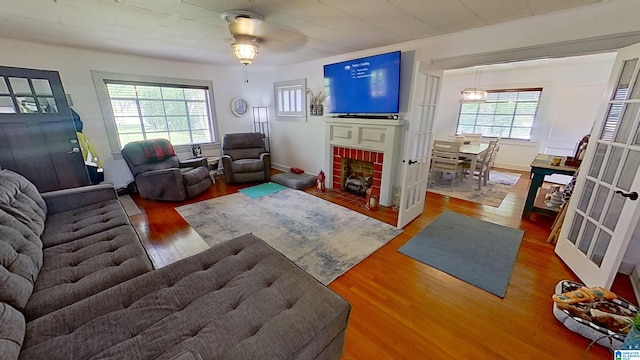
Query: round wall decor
column 239, row 106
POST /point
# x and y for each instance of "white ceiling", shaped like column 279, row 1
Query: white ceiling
column 293, row 31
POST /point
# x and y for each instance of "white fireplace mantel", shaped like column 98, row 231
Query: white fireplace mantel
column 381, row 135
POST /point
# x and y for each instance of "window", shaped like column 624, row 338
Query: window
column 508, row 114
column 31, row 96
column 148, row 108
column 291, row 100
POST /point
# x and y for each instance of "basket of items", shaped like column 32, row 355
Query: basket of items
column 595, row 313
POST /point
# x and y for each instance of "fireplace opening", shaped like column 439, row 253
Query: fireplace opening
column 363, row 165
column 357, row 176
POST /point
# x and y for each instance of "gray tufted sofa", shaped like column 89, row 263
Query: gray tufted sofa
column 76, row 283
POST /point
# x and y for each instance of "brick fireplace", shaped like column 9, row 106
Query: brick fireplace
column 376, row 141
column 340, row 154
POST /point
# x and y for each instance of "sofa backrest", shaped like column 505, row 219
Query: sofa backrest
column 21, row 199
column 12, row 331
column 22, row 217
column 243, row 145
column 20, row 261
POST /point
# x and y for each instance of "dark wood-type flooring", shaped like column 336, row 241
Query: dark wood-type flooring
column 403, row 309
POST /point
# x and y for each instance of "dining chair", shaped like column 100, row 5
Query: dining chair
column 483, row 166
column 495, row 153
column 445, row 159
column 472, row 138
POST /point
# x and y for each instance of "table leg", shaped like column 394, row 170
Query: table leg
column 536, row 183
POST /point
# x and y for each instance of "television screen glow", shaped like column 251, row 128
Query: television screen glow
column 365, row 85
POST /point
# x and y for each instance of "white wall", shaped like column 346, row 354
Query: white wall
column 75, row 65
column 565, row 85
column 573, row 91
column 302, row 144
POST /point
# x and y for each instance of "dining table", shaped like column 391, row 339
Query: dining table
column 473, row 152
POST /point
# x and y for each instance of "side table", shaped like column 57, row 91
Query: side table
column 540, row 167
column 213, row 162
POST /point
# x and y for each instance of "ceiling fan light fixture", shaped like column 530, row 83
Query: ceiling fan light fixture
column 245, row 52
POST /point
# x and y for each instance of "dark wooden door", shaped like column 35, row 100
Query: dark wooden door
column 37, row 134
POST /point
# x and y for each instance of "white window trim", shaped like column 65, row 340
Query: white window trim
column 291, row 115
column 533, row 139
column 107, row 114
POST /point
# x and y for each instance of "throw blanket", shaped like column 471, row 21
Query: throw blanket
column 158, row 150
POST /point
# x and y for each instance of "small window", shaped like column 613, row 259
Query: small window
column 138, row 108
column 291, row 100
column 31, row 95
column 508, row 114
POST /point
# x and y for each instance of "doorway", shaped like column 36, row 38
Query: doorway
column 37, row 134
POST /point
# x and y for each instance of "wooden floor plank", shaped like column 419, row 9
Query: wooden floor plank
column 403, row 309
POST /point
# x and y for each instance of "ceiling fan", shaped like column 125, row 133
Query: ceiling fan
column 250, row 31
column 243, row 26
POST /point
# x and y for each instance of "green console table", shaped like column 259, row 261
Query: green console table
column 540, row 167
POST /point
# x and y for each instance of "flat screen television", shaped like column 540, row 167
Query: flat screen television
column 368, row 85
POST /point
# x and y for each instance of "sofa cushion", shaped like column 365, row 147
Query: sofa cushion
column 294, row 181
column 11, row 332
column 238, row 300
column 21, row 199
column 80, row 268
column 84, row 221
column 20, row 261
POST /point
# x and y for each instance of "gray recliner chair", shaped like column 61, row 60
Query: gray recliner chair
column 244, row 158
column 160, row 175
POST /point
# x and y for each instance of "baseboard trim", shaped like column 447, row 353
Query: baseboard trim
column 626, row 268
column 280, row 167
column 508, row 166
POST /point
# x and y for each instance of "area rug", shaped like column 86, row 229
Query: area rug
column 498, row 186
column 477, row 252
column 322, row 238
column 262, row 189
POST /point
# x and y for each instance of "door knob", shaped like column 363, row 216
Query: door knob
column 73, row 141
column 411, row 162
column 74, row 150
column 631, row 195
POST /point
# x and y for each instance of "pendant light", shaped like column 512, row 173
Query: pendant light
column 473, row 95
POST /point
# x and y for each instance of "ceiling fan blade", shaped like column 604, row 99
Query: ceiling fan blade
column 280, row 38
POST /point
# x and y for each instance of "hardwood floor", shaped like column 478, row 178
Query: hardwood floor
column 403, row 309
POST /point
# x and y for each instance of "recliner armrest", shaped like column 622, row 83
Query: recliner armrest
column 164, row 184
column 68, row 199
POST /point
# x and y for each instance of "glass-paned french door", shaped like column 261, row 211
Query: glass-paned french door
column 601, row 216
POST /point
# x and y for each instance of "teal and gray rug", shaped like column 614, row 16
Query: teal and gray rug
column 322, row 238
column 262, row 189
column 478, row 252
column 498, row 186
